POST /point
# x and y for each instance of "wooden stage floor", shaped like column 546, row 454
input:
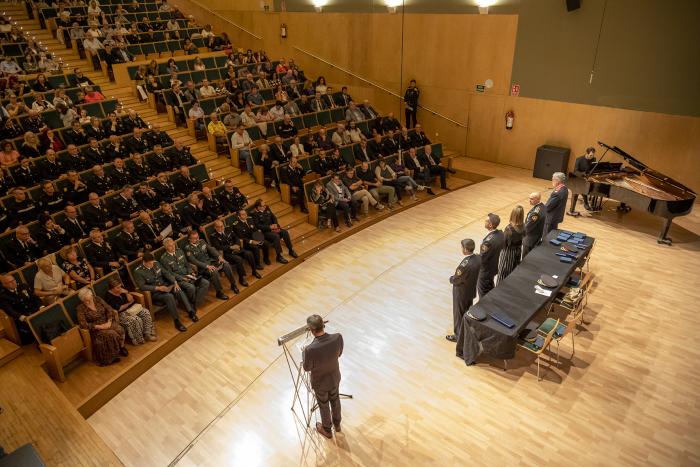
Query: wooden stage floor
column 629, row 396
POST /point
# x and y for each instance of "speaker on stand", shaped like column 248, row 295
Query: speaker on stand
column 550, row 159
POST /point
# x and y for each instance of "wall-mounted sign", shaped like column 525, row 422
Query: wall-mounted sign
column 480, row 88
column 515, row 90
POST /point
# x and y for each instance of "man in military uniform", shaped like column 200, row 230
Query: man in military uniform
column 22, row 249
column 185, row 273
column 170, row 216
column 120, row 173
column 186, row 183
column 127, row 243
column 50, row 199
column 247, row 231
column 556, row 204
column 97, row 216
column 76, row 190
column 99, row 182
column 231, row 197
column 209, row 262
column 147, row 198
column 159, row 160
column 75, row 226
column 226, row 241
column 100, row 253
column 124, row 206
column 534, row 223
column 181, row 155
column 95, row 153
column 158, row 137
column 164, row 189
column 19, row 302
column 193, row 214
column 21, row 208
column 151, row 277
column 266, row 221
column 491, row 247
column 463, row 287
column 211, row 205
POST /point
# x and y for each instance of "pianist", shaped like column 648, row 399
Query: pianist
column 584, row 165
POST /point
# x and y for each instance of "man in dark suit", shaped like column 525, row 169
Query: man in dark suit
column 184, row 183
column 76, row 228
column 556, row 204
column 491, row 247
column 432, row 161
column 127, row 243
column 463, row 287
column 22, row 249
column 97, row 216
column 137, row 143
column 321, row 359
column 534, row 223
column 362, row 153
column 124, row 206
column 19, row 302
column 193, row 212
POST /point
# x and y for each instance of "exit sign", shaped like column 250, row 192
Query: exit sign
column 480, row 88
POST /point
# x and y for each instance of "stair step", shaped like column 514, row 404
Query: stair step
column 8, row 351
column 291, row 218
column 302, row 231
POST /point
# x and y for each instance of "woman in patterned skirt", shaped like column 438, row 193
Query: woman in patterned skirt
column 105, row 331
column 139, row 325
column 513, row 244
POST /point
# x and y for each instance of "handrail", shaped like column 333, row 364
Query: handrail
column 372, row 83
column 225, row 19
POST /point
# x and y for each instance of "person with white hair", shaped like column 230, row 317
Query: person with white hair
column 50, row 282
column 556, row 204
column 106, row 333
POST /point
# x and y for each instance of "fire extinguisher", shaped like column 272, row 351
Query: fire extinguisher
column 510, row 118
column 283, row 30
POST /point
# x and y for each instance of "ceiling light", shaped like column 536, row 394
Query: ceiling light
column 484, row 6
column 318, row 5
column 392, row 5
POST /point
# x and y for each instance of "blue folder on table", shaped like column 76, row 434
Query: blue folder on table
column 566, row 259
column 504, row 320
column 555, row 242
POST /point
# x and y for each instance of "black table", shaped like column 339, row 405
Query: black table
column 515, row 298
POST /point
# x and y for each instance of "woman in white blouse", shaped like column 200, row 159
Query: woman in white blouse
column 297, row 148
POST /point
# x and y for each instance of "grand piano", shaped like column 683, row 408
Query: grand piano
column 637, row 186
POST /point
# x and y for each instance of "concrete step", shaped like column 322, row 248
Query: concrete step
column 8, row 351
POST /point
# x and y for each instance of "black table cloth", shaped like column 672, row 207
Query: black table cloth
column 515, row 299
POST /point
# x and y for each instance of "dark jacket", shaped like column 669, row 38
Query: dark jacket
column 556, row 205
column 491, row 247
column 321, row 359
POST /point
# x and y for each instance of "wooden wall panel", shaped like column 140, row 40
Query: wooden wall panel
column 448, row 55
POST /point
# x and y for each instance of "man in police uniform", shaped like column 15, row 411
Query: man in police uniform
column 124, row 206
column 491, row 247
column 209, row 261
column 231, row 197
column 534, row 223
column 22, row 250
column 193, row 213
column 128, row 243
column 74, row 225
column 151, row 277
column 19, row 302
column 181, row 155
column 556, row 204
column 100, row 253
column 21, row 208
column 266, row 221
column 226, row 241
column 247, row 231
column 174, row 261
column 464, row 286
column 97, row 216
column 170, row 216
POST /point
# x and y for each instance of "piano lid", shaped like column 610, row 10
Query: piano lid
column 642, row 167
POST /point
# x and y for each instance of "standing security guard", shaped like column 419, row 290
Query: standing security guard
column 534, row 223
column 151, row 277
column 464, row 286
column 174, row 261
column 209, row 261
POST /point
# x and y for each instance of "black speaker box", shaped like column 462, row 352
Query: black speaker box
column 550, row 159
column 572, row 5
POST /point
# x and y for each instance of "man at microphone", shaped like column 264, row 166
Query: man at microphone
column 321, row 359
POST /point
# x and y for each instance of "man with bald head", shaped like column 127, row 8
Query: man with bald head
column 534, row 223
column 19, row 302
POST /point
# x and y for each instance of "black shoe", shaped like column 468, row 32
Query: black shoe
column 267, row 261
column 430, row 191
column 348, row 223
column 221, row 296
column 460, row 356
column 451, row 338
column 179, row 326
column 445, row 188
column 337, row 428
column 123, row 352
column 234, row 289
column 257, row 275
column 281, row 259
column 193, row 316
column 260, row 267
column 323, row 431
column 587, row 206
column 243, row 282
column 293, row 254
